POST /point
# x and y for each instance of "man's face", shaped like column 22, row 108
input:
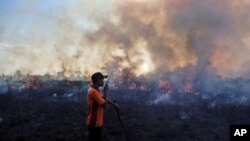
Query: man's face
column 101, row 82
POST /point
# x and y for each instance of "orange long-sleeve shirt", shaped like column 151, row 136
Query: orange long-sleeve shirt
column 95, row 102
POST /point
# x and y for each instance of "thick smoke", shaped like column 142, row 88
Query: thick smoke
column 145, row 36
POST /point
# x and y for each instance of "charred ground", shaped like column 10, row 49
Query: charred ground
column 43, row 116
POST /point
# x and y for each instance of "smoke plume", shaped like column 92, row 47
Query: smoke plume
column 145, row 36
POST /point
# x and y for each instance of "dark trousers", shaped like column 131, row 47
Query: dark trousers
column 94, row 133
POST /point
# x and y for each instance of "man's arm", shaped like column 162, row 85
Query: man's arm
column 111, row 102
column 99, row 99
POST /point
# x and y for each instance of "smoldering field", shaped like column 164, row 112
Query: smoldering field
column 154, row 114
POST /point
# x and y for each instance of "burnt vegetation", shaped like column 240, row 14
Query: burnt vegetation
column 44, row 114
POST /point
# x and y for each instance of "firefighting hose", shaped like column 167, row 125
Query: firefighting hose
column 116, row 108
column 122, row 125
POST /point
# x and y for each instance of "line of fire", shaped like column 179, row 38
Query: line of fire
column 168, row 84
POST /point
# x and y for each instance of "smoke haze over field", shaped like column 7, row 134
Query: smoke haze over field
column 39, row 37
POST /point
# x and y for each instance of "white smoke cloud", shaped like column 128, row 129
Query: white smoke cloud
column 46, row 37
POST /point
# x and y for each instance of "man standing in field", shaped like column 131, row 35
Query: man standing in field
column 95, row 103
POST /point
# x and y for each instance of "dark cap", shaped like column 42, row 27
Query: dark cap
column 97, row 76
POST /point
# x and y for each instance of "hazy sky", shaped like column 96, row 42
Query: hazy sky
column 48, row 36
column 33, row 32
